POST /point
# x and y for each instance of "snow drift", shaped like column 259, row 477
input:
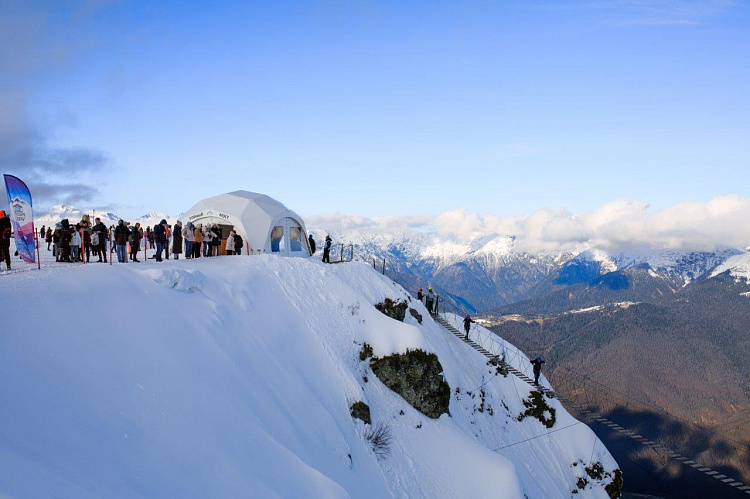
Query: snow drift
column 234, row 377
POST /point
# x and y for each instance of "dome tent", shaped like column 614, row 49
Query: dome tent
column 266, row 225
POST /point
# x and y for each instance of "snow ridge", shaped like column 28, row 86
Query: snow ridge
column 234, row 377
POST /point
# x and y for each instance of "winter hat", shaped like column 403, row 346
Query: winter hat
column 538, row 359
column 2, row 214
column 163, row 222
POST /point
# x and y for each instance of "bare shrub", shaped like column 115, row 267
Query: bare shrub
column 380, row 437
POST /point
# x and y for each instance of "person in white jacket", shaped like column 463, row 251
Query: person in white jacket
column 188, row 236
column 208, row 238
column 75, row 245
column 230, row 244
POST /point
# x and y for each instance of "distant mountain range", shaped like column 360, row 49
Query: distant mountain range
column 493, row 273
column 59, row 212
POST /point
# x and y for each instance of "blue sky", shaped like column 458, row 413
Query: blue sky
column 377, row 108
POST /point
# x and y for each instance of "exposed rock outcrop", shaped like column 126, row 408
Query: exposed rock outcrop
column 418, row 377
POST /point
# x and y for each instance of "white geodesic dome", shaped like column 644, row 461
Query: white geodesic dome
column 264, row 223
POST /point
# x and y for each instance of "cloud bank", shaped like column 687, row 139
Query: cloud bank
column 32, row 48
column 623, row 225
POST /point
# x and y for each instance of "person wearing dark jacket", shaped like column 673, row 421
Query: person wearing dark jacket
column 86, row 228
column 467, row 325
column 537, row 363
column 5, row 232
column 122, row 233
column 217, row 239
column 102, row 234
column 48, row 237
column 135, row 242
column 312, row 244
column 239, row 244
column 327, row 250
column 160, row 237
column 177, row 240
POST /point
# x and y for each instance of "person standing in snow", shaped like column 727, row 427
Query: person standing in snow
column 48, row 237
column 537, row 363
column 420, row 294
column 167, row 237
column 160, row 238
column 187, row 236
column 101, row 232
column 177, row 240
column 208, row 238
column 230, row 244
column 122, row 233
column 75, row 243
column 238, row 243
column 429, row 300
column 42, row 232
column 467, row 325
column 217, row 239
column 86, row 230
column 327, row 250
column 312, row 244
column 197, row 240
column 5, row 232
column 135, row 242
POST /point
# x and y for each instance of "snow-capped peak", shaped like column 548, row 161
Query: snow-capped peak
column 737, row 265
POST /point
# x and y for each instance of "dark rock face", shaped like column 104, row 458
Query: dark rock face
column 393, row 310
column 360, row 410
column 417, row 377
column 416, row 315
column 537, row 407
column 365, row 352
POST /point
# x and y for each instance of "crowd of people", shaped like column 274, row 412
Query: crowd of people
column 80, row 241
column 77, row 242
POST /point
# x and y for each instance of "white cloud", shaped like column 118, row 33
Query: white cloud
column 621, row 225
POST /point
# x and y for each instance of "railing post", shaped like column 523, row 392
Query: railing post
column 383, row 265
column 341, row 255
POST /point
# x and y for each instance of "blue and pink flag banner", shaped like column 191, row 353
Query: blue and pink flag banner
column 22, row 217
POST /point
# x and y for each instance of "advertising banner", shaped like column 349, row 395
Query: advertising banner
column 21, row 215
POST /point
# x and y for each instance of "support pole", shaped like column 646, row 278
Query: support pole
column 38, row 257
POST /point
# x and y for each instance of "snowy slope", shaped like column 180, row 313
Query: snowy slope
column 234, row 377
column 738, row 266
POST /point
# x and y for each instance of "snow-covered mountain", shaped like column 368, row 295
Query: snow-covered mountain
column 490, row 271
column 238, row 377
column 59, row 212
column 738, row 266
